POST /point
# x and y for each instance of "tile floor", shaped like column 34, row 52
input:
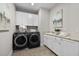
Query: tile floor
column 40, row 51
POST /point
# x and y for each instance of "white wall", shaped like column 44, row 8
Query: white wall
column 43, row 22
column 6, row 37
column 70, row 17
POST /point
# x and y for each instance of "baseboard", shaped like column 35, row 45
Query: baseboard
column 10, row 53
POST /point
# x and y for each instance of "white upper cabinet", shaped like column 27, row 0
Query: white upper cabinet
column 35, row 20
column 26, row 19
column 30, row 20
column 19, row 18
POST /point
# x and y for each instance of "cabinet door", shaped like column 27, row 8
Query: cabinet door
column 29, row 19
column 50, row 41
column 35, row 20
column 70, row 48
column 58, row 45
column 47, row 40
column 19, row 18
column 25, row 19
column 53, row 43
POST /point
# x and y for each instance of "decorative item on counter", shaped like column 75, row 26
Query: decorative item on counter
column 57, row 31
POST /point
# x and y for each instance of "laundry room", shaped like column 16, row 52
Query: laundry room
column 22, row 26
column 29, row 28
column 39, row 29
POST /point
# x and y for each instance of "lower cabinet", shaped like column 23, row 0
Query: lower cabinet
column 70, row 48
column 61, row 46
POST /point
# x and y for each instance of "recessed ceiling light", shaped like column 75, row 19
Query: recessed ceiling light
column 32, row 4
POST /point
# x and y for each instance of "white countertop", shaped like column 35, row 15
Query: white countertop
column 73, row 36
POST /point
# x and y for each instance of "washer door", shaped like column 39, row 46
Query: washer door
column 20, row 40
column 34, row 39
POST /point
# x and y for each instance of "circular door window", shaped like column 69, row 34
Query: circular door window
column 20, row 41
column 34, row 39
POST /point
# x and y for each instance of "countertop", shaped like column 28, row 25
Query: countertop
column 73, row 36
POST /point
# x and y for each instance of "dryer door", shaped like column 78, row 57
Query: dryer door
column 20, row 40
column 34, row 39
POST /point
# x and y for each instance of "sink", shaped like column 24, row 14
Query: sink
column 63, row 34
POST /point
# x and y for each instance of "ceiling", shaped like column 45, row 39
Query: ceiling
column 28, row 7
